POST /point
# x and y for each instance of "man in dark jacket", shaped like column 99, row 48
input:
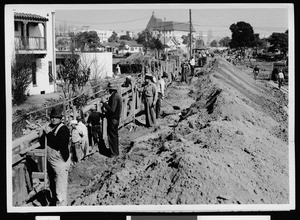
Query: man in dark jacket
column 113, row 113
column 58, row 156
column 95, row 126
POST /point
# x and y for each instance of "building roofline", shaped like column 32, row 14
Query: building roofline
column 29, row 17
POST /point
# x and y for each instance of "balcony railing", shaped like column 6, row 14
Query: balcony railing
column 30, row 43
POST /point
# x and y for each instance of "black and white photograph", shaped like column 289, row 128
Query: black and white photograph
column 150, row 107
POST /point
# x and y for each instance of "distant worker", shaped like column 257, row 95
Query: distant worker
column 58, row 156
column 161, row 92
column 183, row 72
column 280, row 78
column 128, row 82
column 200, row 60
column 85, row 138
column 118, row 69
column 149, row 94
column 204, row 58
column 76, row 145
column 93, row 121
column 113, row 113
column 192, row 64
column 255, row 71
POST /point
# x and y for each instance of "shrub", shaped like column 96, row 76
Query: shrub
column 21, row 72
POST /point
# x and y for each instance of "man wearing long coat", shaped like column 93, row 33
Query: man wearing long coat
column 150, row 96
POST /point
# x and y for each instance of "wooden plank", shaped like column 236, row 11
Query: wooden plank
column 16, row 159
column 38, row 175
column 37, row 152
column 40, row 161
column 34, row 146
column 21, row 190
column 29, row 137
column 45, row 165
column 124, row 112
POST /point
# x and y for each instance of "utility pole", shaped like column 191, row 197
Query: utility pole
column 164, row 36
column 190, row 33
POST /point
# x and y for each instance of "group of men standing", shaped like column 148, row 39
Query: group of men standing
column 65, row 145
column 56, row 137
column 280, row 76
column 187, row 66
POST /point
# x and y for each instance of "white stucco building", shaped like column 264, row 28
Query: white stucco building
column 104, row 35
column 100, row 63
column 30, row 32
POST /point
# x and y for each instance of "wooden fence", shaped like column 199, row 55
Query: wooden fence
column 27, row 180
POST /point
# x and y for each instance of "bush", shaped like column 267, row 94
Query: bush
column 21, row 72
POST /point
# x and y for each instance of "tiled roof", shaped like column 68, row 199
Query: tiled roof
column 32, row 17
column 154, row 22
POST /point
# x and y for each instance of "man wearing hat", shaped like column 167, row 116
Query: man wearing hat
column 85, row 139
column 113, row 113
column 184, row 70
column 95, row 126
column 150, row 96
column 58, row 155
column 76, row 146
column 161, row 92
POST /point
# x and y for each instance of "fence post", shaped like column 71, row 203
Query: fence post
column 64, row 110
column 74, row 112
column 45, row 164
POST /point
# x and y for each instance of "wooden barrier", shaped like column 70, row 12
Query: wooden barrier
column 22, row 179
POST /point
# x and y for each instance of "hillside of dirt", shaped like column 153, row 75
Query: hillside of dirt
column 227, row 145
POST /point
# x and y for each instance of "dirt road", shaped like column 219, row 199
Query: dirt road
column 228, row 145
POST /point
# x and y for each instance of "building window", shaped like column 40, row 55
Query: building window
column 33, row 68
column 50, row 72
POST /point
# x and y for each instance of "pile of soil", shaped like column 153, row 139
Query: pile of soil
column 227, row 145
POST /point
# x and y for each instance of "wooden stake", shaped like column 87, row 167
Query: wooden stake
column 45, row 164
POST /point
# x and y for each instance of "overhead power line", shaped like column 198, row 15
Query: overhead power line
column 98, row 23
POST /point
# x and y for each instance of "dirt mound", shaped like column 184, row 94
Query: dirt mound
column 229, row 145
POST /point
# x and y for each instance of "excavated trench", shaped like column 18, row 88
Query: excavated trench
column 221, row 149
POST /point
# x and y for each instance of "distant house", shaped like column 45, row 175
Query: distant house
column 129, row 47
column 169, row 29
column 112, row 47
column 33, row 36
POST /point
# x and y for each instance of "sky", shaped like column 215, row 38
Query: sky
column 264, row 18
